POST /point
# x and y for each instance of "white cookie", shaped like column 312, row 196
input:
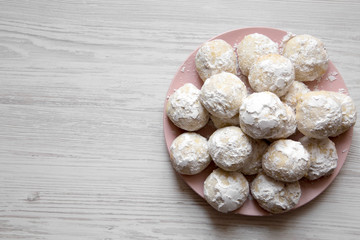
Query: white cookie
column 318, row 114
column 222, row 95
column 323, row 156
column 253, row 164
column 286, row 160
column 275, row 196
column 348, row 113
column 226, row 191
column 225, row 122
column 185, row 110
column 214, row 57
column 308, row 55
column 295, row 91
column 251, row 48
column 229, row 147
column 264, row 116
column 273, row 73
column 189, row 153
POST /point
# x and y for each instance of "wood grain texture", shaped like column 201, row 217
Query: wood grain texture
column 82, row 88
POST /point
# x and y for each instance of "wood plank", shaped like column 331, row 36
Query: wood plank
column 82, row 152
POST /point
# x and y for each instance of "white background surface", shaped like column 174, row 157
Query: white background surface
column 82, row 87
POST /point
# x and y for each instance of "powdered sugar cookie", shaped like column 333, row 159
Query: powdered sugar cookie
column 318, row 114
column 275, row 196
column 214, row 57
column 323, row 156
column 286, row 160
column 264, row 116
column 225, row 122
column 229, row 147
column 273, row 73
column 226, row 191
column 184, row 108
column 251, row 48
column 222, row 95
column 295, row 91
column 189, row 153
column 308, row 55
column 253, row 164
column 289, row 126
column 348, row 113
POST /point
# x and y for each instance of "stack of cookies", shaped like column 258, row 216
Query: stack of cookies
column 254, row 125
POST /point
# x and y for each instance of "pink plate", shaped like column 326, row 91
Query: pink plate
column 331, row 81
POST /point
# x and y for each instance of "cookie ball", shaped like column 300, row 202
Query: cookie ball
column 323, row 156
column 214, row 57
column 189, row 153
column 273, row 73
column 184, row 108
column 348, row 113
column 289, row 126
column 222, row 95
column 264, row 116
column 253, row 164
column 226, row 191
column 275, row 196
column 251, row 48
column 286, row 160
column 229, row 147
column 318, row 114
column 295, row 91
column 225, row 122
column 308, row 55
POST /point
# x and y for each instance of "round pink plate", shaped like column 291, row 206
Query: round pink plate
column 331, row 81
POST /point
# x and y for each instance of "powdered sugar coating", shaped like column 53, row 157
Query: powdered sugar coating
column 185, row 110
column 323, row 156
column 284, row 40
column 273, row 73
column 226, row 191
column 264, row 116
column 295, row 91
column 289, row 126
column 275, row 196
column 229, row 147
column 225, row 122
column 318, row 114
column 286, row 160
column 251, row 48
column 222, row 94
column 348, row 113
column 253, row 164
column 308, row 55
column 189, row 153
column 214, row 57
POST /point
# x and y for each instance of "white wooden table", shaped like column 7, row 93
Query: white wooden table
column 82, row 87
